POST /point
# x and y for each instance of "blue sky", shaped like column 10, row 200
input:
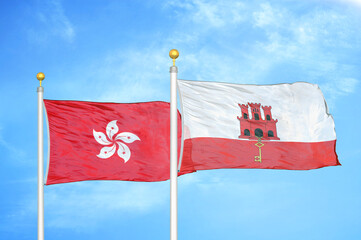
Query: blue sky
column 118, row 51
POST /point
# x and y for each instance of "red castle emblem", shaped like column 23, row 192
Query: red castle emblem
column 256, row 127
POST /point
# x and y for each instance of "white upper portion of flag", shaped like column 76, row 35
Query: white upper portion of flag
column 210, row 109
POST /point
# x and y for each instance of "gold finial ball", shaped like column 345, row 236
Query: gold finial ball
column 40, row 76
column 173, row 53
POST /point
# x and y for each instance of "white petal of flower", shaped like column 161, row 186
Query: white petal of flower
column 112, row 129
column 123, row 151
column 127, row 137
column 107, row 152
column 101, row 138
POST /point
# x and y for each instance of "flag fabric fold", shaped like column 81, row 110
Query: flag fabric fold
column 108, row 141
column 282, row 126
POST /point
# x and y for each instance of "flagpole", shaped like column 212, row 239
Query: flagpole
column 173, row 148
column 40, row 76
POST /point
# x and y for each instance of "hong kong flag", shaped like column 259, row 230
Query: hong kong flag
column 108, row 141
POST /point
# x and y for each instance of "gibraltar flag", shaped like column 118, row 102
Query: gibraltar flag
column 282, row 126
column 108, row 141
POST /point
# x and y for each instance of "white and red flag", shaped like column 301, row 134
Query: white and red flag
column 282, row 126
column 108, row 141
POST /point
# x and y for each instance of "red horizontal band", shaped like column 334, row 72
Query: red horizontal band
column 215, row 153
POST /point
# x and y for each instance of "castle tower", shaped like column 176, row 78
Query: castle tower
column 244, row 109
column 256, row 112
column 267, row 112
column 244, row 121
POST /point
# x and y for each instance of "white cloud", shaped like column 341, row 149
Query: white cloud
column 267, row 16
column 134, row 75
column 13, row 149
column 309, row 41
column 222, row 68
column 52, row 22
column 210, row 13
column 356, row 3
column 291, row 38
column 302, row 40
column 313, row 43
column 123, row 75
column 348, row 85
column 84, row 205
column 338, row 87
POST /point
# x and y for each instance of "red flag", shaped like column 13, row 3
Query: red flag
column 108, row 141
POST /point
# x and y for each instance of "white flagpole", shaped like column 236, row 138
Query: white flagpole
column 40, row 76
column 173, row 148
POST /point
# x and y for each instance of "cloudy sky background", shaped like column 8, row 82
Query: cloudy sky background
column 118, row 51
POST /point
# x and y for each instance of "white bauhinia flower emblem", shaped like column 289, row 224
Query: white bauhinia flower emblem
column 108, row 151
